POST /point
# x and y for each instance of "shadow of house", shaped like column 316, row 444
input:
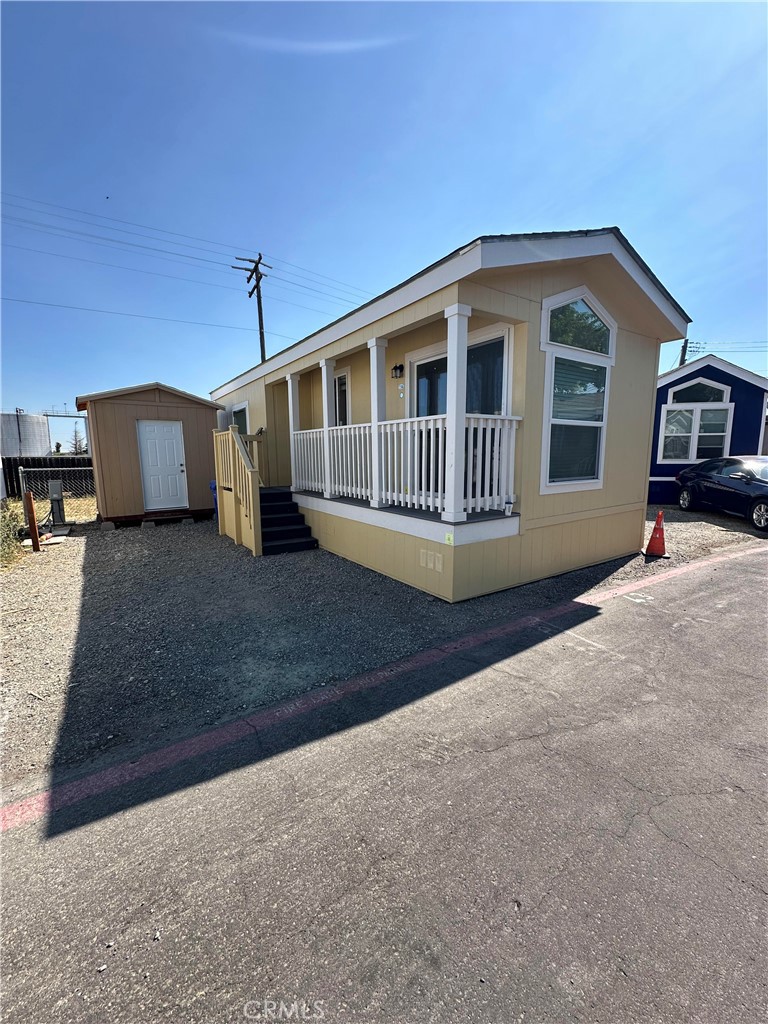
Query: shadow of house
column 180, row 632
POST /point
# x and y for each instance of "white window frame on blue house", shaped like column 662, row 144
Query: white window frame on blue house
column 579, row 355
column 696, row 409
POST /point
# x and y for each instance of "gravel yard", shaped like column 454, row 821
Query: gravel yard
column 118, row 641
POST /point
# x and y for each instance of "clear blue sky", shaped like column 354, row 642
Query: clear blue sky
column 360, row 142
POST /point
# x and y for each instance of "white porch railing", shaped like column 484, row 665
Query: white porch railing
column 309, row 470
column 350, row 449
column 490, row 462
column 412, row 458
column 413, row 462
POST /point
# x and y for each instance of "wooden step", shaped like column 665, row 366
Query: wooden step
column 278, row 547
column 270, row 533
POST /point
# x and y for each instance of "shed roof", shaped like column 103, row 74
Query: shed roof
column 82, row 401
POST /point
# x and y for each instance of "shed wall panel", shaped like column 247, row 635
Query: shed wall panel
column 116, row 449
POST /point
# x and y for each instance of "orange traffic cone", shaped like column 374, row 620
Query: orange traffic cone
column 656, row 547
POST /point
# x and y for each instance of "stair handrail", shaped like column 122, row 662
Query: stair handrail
column 237, row 472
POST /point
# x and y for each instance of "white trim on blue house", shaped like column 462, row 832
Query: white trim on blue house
column 725, row 388
column 721, row 364
column 761, row 442
column 696, row 408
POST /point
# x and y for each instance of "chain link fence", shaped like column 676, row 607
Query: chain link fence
column 77, row 488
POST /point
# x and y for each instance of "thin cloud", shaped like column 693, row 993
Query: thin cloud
column 310, row 47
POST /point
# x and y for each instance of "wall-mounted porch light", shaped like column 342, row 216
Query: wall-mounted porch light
column 397, row 371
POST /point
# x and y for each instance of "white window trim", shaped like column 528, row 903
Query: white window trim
column 763, row 425
column 426, row 355
column 697, row 408
column 576, row 355
column 342, row 371
column 701, row 380
column 564, row 299
column 238, row 408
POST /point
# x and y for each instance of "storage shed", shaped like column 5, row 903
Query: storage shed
column 152, row 449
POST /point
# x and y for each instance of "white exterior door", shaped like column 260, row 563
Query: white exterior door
column 163, row 473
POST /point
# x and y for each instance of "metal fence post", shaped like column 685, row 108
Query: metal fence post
column 23, row 489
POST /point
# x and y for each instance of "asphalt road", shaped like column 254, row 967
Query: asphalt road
column 563, row 824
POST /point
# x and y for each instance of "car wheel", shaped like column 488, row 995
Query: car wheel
column 686, row 500
column 758, row 515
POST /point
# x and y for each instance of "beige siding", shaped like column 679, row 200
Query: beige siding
column 386, row 551
column 117, row 469
column 548, row 551
column 277, row 469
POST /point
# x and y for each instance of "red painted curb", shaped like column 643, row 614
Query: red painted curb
column 32, row 808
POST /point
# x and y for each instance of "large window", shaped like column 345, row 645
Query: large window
column 576, row 400
column 577, row 421
column 695, row 422
column 485, row 381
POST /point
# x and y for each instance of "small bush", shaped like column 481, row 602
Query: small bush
column 11, row 522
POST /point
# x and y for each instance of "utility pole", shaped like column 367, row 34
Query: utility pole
column 255, row 275
column 683, row 353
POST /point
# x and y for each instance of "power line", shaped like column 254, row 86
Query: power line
column 139, row 234
column 50, row 229
column 75, row 234
column 144, row 316
column 125, row 231
column 157, row 273
column 179, row 234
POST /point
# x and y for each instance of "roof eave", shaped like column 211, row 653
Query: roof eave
column 468, row 258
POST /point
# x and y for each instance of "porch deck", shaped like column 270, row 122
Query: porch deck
column 400, row 510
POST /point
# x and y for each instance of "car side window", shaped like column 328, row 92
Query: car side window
column 760, row 469
column 729, row 468
column 711, row 468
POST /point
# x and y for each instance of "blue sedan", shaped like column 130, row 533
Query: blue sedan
column 738, row 484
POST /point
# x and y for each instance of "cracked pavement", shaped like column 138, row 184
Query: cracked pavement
column 564, row 824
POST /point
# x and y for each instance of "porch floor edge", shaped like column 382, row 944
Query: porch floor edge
column 479, row 526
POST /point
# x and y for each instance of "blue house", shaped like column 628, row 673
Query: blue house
column 704, row 409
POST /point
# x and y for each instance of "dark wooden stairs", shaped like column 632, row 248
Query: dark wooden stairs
column 282, row 525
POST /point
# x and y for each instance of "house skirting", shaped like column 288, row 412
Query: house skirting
column 458, row 561
column 663, row 491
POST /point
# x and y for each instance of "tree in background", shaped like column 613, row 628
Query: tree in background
column 57, row 448
column 78, row 445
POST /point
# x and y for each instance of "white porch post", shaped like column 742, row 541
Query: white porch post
column 456, row 412
column 329, row 420
column 293, row 422
column 377, row 348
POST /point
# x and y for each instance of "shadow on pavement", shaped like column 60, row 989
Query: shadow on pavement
column 150, row 668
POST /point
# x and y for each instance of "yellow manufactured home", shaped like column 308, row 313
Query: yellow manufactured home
column 486, row 423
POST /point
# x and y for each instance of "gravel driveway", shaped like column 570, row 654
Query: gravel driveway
column 118, row 641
